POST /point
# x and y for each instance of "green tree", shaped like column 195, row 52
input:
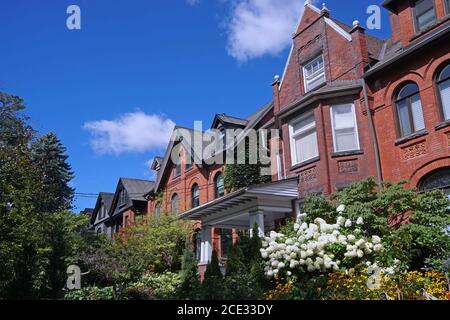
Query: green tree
column 212, row 287
column 190, row 282
column 34, row 245
column 55, row 174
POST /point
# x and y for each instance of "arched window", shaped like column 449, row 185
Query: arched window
column 439, row 179
column 158, row 210
column 195, row 196
column 409, row 110
column 443, row 85
column 219, row 187
column 175, row 204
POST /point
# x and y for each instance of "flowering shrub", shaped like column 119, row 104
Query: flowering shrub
column 318, row 246
column 407, row 286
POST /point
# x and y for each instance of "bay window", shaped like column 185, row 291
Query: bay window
column 303, row 135
column 345, row 131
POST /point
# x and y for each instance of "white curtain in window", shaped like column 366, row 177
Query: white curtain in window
column 345, row 133
column 444, row 88
column 417, row 113
column 306, row 146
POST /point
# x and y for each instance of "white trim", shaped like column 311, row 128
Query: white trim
column 286, row 66
column 356, row 127
column 338, row 29
column 294, row 160
column 305, row 84
column 313, row 7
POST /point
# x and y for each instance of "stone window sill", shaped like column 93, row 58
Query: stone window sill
column 443, row 124
column 410, row 137
column 305, row 163
column 347, row 153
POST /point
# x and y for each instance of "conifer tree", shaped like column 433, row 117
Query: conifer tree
column 190, row 282
column 55, row 174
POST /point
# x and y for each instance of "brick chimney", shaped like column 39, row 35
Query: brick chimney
column 359, row 41
column 276, row 93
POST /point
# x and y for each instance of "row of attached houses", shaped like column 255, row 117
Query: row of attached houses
column 348, row 106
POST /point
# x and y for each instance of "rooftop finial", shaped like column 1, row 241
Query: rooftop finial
column 325, row 10
column 276, row 78
column 307, row 2
column 355, row 23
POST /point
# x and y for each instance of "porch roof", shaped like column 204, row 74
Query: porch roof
column 253, row 197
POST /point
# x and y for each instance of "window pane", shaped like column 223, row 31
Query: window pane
column 314, row 73
column 220, row 190
column 346, row 139
column 425, row 13
column 407, row 91
column 343, row 116
column 306, row 146
column 445, row 74
column 403, row 117
column 417, row 113
column 304, row 124
column 444, row 88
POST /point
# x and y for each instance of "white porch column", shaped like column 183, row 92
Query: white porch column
column 258, row 217
column 206, row 246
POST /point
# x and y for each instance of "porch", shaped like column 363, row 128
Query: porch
column 264, row 204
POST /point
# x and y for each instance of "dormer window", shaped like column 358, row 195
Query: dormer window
column 424, row 14
column 122, row 198
column 314, row 73
column 447, row 6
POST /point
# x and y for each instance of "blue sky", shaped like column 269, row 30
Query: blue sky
column 145, row 63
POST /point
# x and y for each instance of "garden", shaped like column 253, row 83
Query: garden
column 359, row 244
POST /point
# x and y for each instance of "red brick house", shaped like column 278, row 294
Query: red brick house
column 192, row 182
column 409, row 92
column 347, row 107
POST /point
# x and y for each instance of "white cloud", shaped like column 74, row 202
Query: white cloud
column 131, row 132
column 260, row 27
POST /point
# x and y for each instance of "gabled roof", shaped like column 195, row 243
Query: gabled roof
column 106, row 198
column 226, row 119
column 251, row 121
column 374, row 44
column 135, row 189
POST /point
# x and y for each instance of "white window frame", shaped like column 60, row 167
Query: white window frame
column 358, row 147
column 305, row 82
column 293, row 135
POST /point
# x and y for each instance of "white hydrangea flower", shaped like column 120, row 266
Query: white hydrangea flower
column 360, row 221
column 340, row 208
column 376, row 239
column 348, row 223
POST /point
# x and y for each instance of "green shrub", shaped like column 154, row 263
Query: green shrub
column 163, row 286
column 90, row 293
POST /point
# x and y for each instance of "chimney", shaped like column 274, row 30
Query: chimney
column 359, row 43
column 276, row 94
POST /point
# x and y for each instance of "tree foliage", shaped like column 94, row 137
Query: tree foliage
column 412, row 223
column 35, row 244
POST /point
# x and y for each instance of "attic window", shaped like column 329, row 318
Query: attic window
column 314, row 73
column 447, row 6
column 122, row 198
column 424, row 14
